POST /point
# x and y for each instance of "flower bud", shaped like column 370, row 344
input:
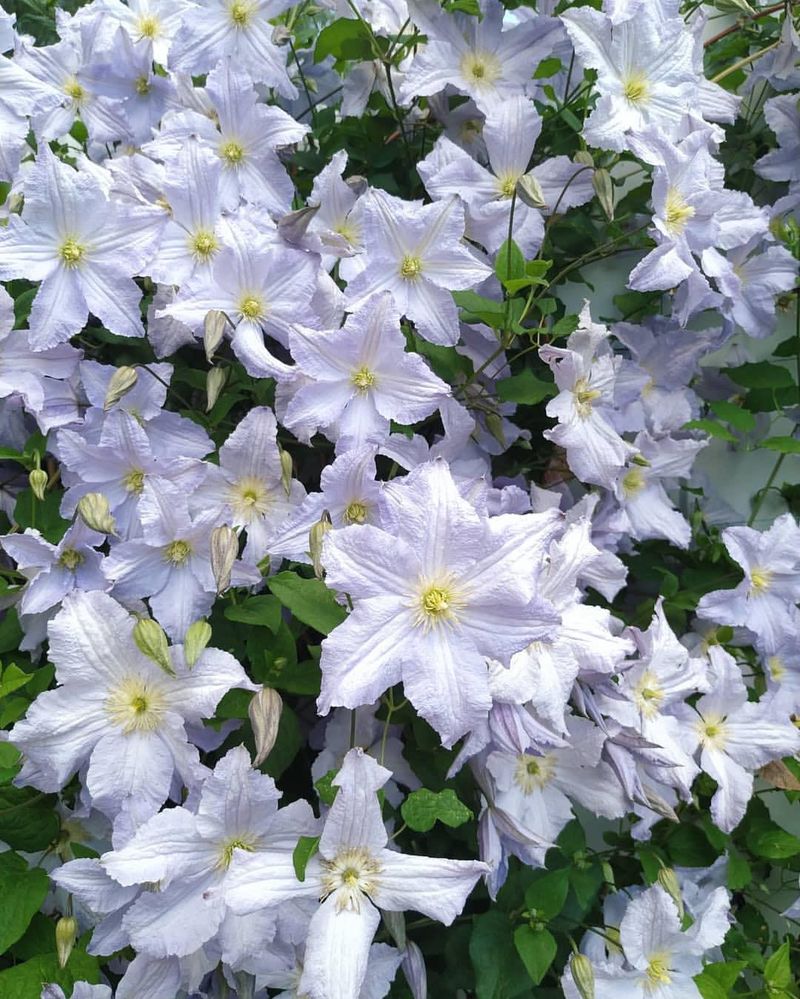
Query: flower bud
column 281, row 35
column 66, row 935
column 413, row 965
column 94, row 511
column 224, row 549
column 584, row 157
column 604, row 189
column 122, row 381
column 215, row 379
column 265, row 714
column 151, row 640
column 38, row 479
column 315, row 538
column 357, row 184
column 669, row 882
column 213, row 331
column 395, row 923
column 286, row 471
column 293, row 226
column 529, row 191
column 197, row 637
column 582, row 975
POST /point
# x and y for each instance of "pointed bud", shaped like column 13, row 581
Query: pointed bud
column 38, row 480
column 315, row 538
column 152, row 642
column 122, row 381
column 197, row 637
column 396, row 925
column 584, row 157
column 604, row 189
column 668, row 880
column 215, row 379
column 293, row 226
column 281, row 35
column 582, row 975
column 94, row 511
column 286, row 472
column 66, row 935
column 357, row 184
column 224, row 549
column 213, row 331
column 265, row 715
column 529, row 192
column 413, row 965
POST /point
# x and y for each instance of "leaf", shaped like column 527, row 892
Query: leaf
column 778, row 970
column 710, row 427
column 499, row 973
column 264, row 611
column 740, row 418
column 306, row 848
column 688, row 846
column 548, row 893
column 24, row 981
column 525, row 388
column 715, row 981
column 761, row 375
column 28, row 820
column 766, row 839
column 537, row 948
column 287, row 744
column 13, row 678
column 309, row 600
column 740, row 873
column 43, row 515
column 326, row 789
column 509, row 263
column 786, row 445
column 422, row 809
column 346, row 38
column 22, row 892
column 478, row 309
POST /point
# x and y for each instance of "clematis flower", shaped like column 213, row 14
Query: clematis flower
column 436, row 591
column 83, row 248
column 81, row 990
column 783, row 117
column 355, row 876
column 359, row 378
column 415, row 251
column 153, row 21
column 118, row 712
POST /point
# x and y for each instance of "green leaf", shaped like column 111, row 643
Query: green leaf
column 309, row 600
column 740, row 418
column 24, row 981
column 548, row 893
column 765, row 839
column 422, row 809
column 509, row 264
column 787, row 348
column 13, row 678
column 689, row 846
column 326, row 789
column 287, row 744
column 786, row 445
column 346, row 38
column 715, row 981
column 778, row 969
column 564, row 326
column 22, row 892
column 548, row 67
column 44, row 516
column 537, row 948
column 303, row 852
column 28, row 820
column 478, row 309
column 499, row 974
column 760, row 375
column 739, row 872
column 711, row 427
column 525, row 388
column 261, row 610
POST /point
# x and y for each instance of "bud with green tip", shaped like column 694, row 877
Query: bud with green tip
column 197, row 638
column 668, row 880
column 582, row 975
column 122, row 381
column 151, row 640
column 215, row 380
column 213, row 331
column 604, row 189
column 66, row 935
column 224, row 549
column 94, row 511
column 584, row 157
column 315, row 538
column 286, row 471
column 529, row 191
column 38, row 480
column 264, row 712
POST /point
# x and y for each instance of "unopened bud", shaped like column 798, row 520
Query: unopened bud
column 357, row 184
column 94, row 511
column 66, row 935
column 604, row 189
column 584, row 157
column 286, row 471
column 197, row 637
column 224, row 549
column 122, row 381
column 529, row 191
column 215, row 379
column 315, row 538
column 152, row 642
column 281, row 34
column 293, row 226
column 668, row 880
column 213, row 331
column 582, row 975
column 265, row 715
column 413, row 965
column 396, row 925
column 38, row 479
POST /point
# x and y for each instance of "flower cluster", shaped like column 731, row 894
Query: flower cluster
column 332, row 511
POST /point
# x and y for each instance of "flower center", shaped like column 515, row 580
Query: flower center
column 249, row 499
column 633, row 481
column 350, row 875
column 356, row 513
column 584, row 397
column 776, row 668
column 134, row 481
column 760, row 580
column 242, row 12
column 232, row 153
column 712, row 731
column 533, row 772
column 142, row 86
column 657, row 970
column 648, row 694
column 363, row 379
column 204, row 244
column 635, row 88
column 70, row 559
column 74, row 90
column 149, row 26
column 481, row 68
column 677, row 212
column 410, row 267
column 227, row 849
column 507, row 184
column 136, row 705
column 251, row 307
column 72, row 252
column 177, row 552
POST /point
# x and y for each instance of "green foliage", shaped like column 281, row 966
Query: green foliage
column 422, row 809
column 309, row 600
